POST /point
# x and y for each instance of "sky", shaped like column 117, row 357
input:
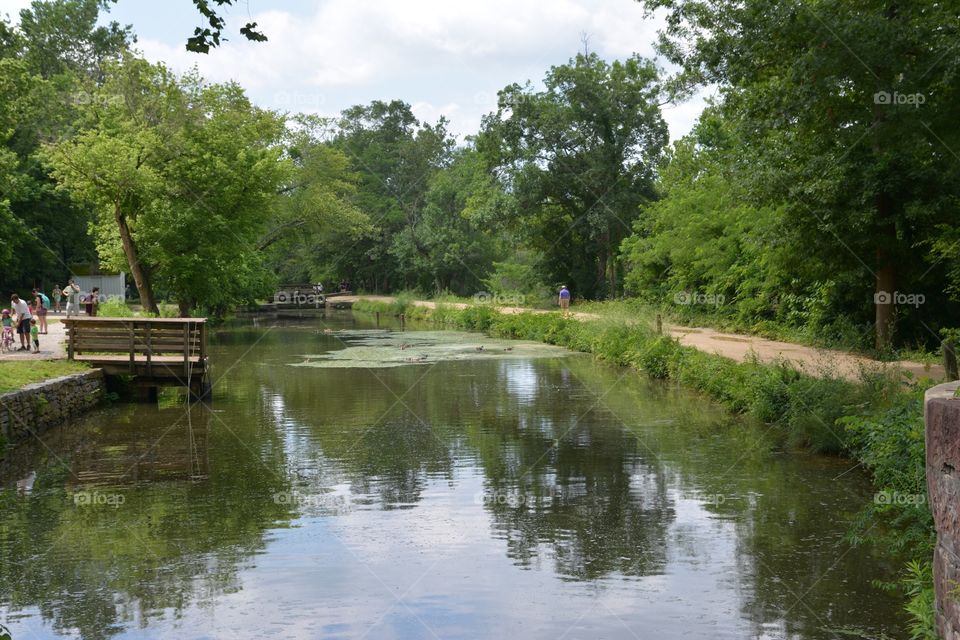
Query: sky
column 442, row 57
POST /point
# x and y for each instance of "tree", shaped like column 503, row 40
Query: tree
column 579, row 157
column 206, row 37
column 62, row 36
column 181, row 174
column 314, row 214
column 852, row 110
column 395, row 156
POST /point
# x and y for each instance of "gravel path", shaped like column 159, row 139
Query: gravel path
column 51, row 344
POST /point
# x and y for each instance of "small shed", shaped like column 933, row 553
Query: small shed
column 112, row 287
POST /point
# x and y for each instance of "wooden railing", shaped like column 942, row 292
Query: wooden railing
column 161, row 347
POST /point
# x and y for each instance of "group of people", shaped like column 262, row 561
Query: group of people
column 30, row 319
column 74, row 298
column 27, row 319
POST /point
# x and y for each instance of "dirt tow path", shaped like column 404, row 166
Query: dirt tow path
column 741, row 348
column 51, row 345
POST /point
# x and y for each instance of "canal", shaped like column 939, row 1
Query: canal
column 350, row 482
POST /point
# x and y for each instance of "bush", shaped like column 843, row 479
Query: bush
column 114, row 309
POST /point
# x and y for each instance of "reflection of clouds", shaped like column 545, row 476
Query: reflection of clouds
column 343, row 576
column 521, row 379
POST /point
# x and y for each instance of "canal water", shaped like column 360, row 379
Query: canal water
column 353, row 483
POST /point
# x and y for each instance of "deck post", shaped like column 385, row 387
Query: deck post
column 133, row 348
column 203, row 341
column 186, row 350
column 73, row 335
column 149, row 350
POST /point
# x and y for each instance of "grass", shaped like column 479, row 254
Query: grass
column 15, row 374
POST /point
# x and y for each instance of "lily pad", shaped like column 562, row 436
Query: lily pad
column 381, row 349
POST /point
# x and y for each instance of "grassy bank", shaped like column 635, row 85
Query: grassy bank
column 17, row 373
column 877, row 421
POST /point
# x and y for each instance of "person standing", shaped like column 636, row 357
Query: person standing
column 57, row 296
column 40, row 305
column 564, row 299
column 35, row 335
column 92, row 301
column 71, row 291
column 22, row 312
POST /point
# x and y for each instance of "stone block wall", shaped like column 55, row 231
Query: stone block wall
column 942, row 418
column 37, row 407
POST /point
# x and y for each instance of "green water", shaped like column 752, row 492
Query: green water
column 540, row 496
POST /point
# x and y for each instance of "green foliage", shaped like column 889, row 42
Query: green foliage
column 114, row 309
column 4, row 631
column 578, row 159
column 179, row 173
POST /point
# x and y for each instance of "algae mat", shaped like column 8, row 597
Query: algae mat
column 380, row 349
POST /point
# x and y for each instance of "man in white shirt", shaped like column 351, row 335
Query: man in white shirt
column 22, row 310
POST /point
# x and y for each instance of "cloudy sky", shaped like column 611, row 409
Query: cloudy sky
column 444, row 57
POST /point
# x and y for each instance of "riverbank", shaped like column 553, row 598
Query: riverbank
column 876, row 419
column 739, row 347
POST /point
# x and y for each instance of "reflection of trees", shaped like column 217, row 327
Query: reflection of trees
column 558, row 479
column 790, row 512
column 92, row 567
column 579, row 487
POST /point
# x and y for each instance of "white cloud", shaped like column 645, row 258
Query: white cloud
column 444, row 57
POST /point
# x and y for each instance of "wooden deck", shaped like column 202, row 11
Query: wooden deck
column 155, row 350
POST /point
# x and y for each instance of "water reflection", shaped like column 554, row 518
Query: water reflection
column 470, row 499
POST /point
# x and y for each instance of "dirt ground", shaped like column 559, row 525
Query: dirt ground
column 51, row 344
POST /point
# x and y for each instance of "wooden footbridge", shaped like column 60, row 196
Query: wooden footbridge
column 156, row 351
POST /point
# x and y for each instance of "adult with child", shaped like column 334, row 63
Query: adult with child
column 40, row 305
column 22, row 311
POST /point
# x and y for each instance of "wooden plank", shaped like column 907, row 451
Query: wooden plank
column 203, row 342
column 186, row 351
column 149, row 351
column 133, row 349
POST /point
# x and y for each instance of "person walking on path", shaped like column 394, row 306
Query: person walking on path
column 564, row 299
column 22, row 312
column 40, row 305
column 57, row 296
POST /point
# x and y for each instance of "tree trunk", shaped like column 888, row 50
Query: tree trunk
column 884, row 300
column 184, row 306
column 141, row 276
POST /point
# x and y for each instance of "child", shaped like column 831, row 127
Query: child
column 7, row 338
column 35, row 335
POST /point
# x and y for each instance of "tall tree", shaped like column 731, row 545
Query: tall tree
column 180, row 173
column 853, row 108
column 579, row 157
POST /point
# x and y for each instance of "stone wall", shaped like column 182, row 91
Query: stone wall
column 942, row 417
column 37, row 407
